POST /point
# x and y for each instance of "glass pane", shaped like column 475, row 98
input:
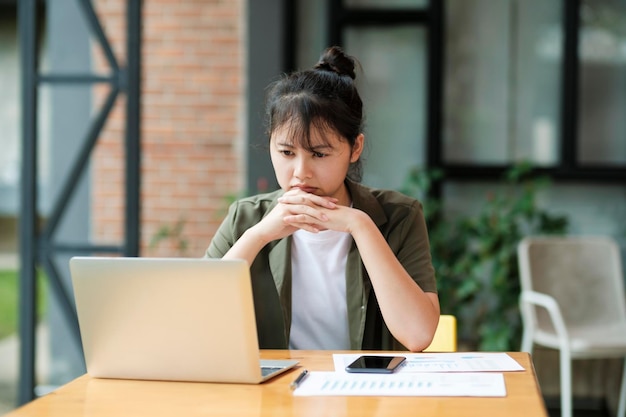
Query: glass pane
column 311, row 37
column 536, row 73
column 502, row 81
column 392, row 85
column 9, row 116
column 386, row 4
column 590, row 209
column 602, row 49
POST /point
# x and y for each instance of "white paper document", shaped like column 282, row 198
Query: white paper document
column 468, row 384
column 441, row 362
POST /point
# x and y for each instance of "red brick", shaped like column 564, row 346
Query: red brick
column 192, row 101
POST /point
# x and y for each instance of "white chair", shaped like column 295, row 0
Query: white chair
column 573, row 300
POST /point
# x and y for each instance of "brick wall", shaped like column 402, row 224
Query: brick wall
column 192, row 123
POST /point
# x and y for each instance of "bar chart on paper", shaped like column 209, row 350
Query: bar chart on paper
column 467, row 384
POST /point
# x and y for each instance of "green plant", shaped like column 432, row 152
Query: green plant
column 9, row 298
column 475, row 255
column 173, row 234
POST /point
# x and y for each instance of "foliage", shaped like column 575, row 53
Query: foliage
column 173, row 234
column 475, row 255
column 9, row 296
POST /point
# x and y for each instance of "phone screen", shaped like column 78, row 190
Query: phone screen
column 377, row 364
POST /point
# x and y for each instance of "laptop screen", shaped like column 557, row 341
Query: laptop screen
column 167, row 319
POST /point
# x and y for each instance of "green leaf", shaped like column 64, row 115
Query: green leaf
column 475, row 255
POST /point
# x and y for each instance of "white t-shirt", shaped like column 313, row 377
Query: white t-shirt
column 319, row 314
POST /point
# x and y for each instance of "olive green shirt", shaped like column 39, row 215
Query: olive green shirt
column 400, row 220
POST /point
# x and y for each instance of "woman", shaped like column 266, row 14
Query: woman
column 334, row 264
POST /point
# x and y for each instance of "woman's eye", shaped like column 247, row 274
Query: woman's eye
column 319, row 154
column 286, row 152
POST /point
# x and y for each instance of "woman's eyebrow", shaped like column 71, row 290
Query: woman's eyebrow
column 312, row 148
column 320, row 147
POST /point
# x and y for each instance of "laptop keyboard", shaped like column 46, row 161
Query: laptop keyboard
column 266, row 370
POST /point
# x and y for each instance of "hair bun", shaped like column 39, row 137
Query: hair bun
column 335, row 60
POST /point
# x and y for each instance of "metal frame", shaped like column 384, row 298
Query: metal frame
column 432, row 17
column 568, row 169
column 39, row 247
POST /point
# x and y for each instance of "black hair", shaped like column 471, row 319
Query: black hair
column 324, row 97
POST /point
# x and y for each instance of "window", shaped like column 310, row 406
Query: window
column 475, row 86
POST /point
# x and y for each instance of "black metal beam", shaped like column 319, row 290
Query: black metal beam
column 133, row 130
column 569, row 84
column 334, row 12
column 587, row 174
column 382, row 17
column 76, row 79
column 290, row 40
column 65, row 248
column 435, row 89
column 40, row 248
column 98, row 32
column 27, row 26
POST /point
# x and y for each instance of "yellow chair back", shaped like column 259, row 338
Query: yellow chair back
column 445, row 335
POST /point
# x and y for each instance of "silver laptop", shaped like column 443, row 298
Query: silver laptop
column 169, row 319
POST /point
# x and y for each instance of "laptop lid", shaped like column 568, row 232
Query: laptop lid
column 167, row 319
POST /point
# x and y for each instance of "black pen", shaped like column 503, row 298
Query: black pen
column 299, row 379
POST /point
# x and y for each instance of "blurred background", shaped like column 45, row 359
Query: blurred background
column 127, row 127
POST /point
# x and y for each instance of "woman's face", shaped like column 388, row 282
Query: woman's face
column 319, row 171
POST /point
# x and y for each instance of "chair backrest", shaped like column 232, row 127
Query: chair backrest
column 582, row 273
column 445, row 335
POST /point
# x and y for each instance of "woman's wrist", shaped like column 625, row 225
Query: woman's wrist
column 359, row 223
column 255, row 235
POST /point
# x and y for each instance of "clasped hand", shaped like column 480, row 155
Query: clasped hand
column 298, row 209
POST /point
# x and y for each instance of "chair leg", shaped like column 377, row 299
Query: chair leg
column 621, row 409
column 527, row 341
column 566, row 384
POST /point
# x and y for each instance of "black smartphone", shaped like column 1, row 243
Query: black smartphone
column 376, row 364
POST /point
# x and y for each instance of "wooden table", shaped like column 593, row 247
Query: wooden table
column 86, row 396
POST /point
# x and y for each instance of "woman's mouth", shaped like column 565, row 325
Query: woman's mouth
column 305, row 188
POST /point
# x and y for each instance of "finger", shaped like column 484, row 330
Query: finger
column 313, row 228
column 313, row 217
column 309, row 199
column 309, row 228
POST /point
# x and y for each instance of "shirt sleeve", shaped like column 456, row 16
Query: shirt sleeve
column 408, row 238
column 224, row 237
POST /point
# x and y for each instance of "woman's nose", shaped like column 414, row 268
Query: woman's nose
column 301, row 169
